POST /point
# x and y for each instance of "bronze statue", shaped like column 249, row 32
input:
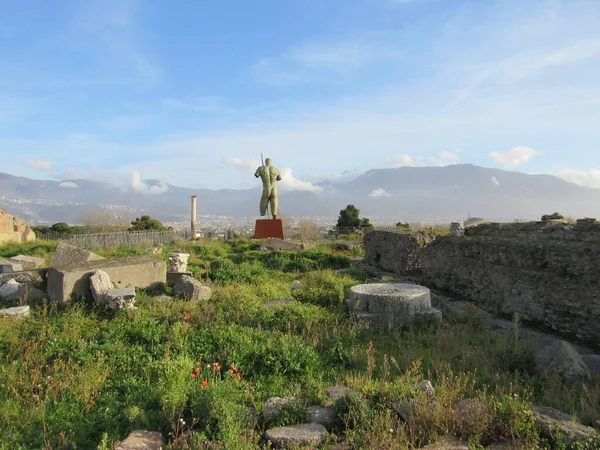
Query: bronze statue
column 269, row 176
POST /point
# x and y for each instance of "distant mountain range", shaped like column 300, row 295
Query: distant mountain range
column 404, row 194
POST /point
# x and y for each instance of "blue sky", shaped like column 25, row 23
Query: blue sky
column 191, row 93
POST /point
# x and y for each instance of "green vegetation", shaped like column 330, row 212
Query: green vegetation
column 349, row 220
column 147, row 223
column 554, row 216
column 84, row 377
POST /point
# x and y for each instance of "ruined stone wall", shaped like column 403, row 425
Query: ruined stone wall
column 13, row 229
column 548, row 273
column 396, row 252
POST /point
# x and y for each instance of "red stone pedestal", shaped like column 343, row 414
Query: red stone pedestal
column 268, row 228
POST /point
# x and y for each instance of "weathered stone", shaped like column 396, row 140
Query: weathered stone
column 155, row 251
column 178, row 262
column 556, row 425
column 426, row 387
column 320, row 414
column 304, row 434
column 100, row 284
column 338, row 392
column 142, row 440
column 273, row 244
column 13, row 229
column 35, row 277
column 448, row 443
column 403, row 408
column 9, row 266
column 191, row 289
column 392, row 304
column 592, row 361
column 562, row 359
column 120, row 298
column 66, row 254
column 133, row 271
column 469, row 412
column 173, row 277
column 9, row 288
column 17, row 312
column 296, row 284
column 275, row 405
column 396, row 252
column 457, row 229
column 13, row 291
column 280, row 302
column 28, row 262
column 544, row 273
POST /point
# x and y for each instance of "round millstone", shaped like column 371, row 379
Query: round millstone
column 17, row 311
column 388, row 304
column 304, row 434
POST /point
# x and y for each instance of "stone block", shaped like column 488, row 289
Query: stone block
column 132, row 271
column 178, row 262
column 100, row 284
column 120, row 298
column 562, row 359
column 172, row 277
column 322, row 415
column 9, row 266
column 28, row 262
column 66, row 254
column 142, row 440
column 17, row 312
column 558, row 426
column 191, row 289
column 35, row 277
column 310, row 434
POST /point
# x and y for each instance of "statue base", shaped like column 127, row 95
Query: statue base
column 268, row 228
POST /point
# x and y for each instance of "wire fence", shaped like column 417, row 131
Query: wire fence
column 125, row 238
column 135, row 238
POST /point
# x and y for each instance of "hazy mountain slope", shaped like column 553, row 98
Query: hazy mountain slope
column 407, row 193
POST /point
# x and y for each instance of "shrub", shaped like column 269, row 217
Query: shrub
column 554, row 216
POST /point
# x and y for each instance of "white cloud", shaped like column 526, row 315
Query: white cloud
column 67, row 184
column 379, row 193
column 444, row 158
column 514, row 157
column 40, row 164
column 290, row 182
column 143, row 187
column 399, row 160
column 241, row 165
column 589, row 178
column 495, row 181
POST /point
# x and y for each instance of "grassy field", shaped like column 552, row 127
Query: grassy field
column 84, row 377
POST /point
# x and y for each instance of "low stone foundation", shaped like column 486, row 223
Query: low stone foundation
column 547, row 272
column 133, row 271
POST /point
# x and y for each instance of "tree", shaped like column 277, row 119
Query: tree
column 145, row 223
column 307, row 229
column 96, row 218
column 349, row 217
column 61, row 227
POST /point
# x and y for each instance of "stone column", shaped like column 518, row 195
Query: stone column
column 193, row 217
